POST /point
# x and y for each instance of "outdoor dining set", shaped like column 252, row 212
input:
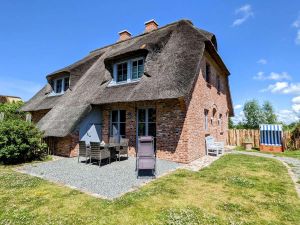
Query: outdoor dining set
column 99, row 151
column 115, row 149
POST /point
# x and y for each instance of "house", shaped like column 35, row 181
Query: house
column 9, row 99
column 167, row 82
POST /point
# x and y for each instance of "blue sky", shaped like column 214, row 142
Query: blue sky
column 258, row 40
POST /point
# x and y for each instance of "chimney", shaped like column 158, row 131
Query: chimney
column 124, row 35
column 150, row 26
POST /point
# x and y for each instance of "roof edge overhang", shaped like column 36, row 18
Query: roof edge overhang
column 214, row 54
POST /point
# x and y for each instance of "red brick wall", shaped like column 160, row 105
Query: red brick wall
column 205, row 96
column 67, row 146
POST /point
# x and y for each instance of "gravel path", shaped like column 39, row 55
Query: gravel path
column 108, row 181
column 292, row 164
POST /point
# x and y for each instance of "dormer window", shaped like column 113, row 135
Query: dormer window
column 59, row 85
column 128, row 71
column 122, row 72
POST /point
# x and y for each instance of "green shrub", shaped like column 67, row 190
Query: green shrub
column 20, row 141
column 12, row 110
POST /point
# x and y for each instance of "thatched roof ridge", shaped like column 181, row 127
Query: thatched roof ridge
column 168, row 75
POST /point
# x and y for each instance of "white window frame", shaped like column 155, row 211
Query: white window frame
column 54, row 93
column 118, row 123
column 129, row 71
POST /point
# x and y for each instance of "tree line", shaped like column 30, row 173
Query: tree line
column 256, row 114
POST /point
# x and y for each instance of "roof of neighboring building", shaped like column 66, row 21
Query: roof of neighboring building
column 10, row 96
column 173, row 54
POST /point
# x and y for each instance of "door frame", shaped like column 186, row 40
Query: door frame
column 146, row 121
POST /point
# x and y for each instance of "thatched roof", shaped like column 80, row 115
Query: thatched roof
column 172, row 52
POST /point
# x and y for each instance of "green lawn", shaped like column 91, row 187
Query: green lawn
column 237, row 189
column 287, row 153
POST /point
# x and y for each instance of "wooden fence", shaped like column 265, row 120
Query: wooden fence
column 236, row 138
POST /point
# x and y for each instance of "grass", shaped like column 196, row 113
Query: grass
column 236, row 189
column 287, row 153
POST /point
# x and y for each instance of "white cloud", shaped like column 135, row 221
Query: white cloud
column 287, row 116
column 297, row 40
column 296, row 24
column 283, row 88
column 262, row 61
column 245, row 12
column 296, row 108
column 238, row 106
column 296, row 100
column 272, row 76
column 22, row 88
column 239, row 117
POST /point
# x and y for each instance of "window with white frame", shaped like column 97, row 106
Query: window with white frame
column 118, row 123
column 205, row 119
column 60, row 85
column 128, row 71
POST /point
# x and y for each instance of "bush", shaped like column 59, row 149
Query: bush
column 12, row 110
column 295, row 136
column 20, row 141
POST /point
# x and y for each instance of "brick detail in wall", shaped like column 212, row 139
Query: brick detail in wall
column 67, row 146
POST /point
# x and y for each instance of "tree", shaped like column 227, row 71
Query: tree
column 230, row 123
column 253, row 115
column 268, row 113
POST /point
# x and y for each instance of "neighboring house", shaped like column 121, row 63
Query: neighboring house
column 9, row 99
column 168, row 82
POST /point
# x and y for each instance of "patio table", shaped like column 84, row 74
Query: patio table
column 112, row 147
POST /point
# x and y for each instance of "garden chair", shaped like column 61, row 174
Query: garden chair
column 83, row 151
column 146, row 157
column 212, row 147
column 123, row 149
column 98, row 154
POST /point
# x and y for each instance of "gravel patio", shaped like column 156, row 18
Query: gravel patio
column 108, row 181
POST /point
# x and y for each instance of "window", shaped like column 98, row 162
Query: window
column 122, row 72
column 206, row 119
column 137, row 69
column 67, row 83
column 118, row 123
column 128, row 71
column 207, row 73
column 59, row 86
column 218, row 84
column 220, row 120
column 147, row 123
column 213, row 117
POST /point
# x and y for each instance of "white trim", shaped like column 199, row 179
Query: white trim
column 53, row 92
column 129, row 72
